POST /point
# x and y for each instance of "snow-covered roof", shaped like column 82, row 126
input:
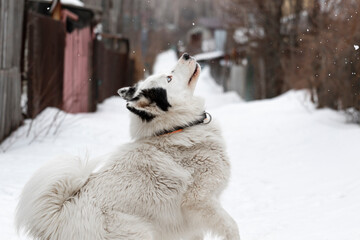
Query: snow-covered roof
column 77, row 3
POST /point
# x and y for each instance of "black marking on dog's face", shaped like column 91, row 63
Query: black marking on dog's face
column 145, row 116
column 157, row 96
column 131, row 91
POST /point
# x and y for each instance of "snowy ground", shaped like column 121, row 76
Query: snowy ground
column 295, row 170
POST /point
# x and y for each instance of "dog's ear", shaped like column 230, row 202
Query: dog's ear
column 127, row 93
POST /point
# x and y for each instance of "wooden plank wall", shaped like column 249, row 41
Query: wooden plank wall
column 11, row 19
column 77, row 82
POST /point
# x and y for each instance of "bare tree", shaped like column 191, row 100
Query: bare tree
column 305, row 44
column 263, row 21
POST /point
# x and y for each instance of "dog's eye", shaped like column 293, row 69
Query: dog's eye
column 169, row 78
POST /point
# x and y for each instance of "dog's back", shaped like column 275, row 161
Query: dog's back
column 136, row 193
column 45, row 209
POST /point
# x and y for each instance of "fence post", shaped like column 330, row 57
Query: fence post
column 11, row 15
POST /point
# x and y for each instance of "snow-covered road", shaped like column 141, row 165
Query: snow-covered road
column 295, row 169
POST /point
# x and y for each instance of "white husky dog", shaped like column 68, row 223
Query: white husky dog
column 163, row 185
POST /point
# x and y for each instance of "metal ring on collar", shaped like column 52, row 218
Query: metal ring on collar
column 209, row 117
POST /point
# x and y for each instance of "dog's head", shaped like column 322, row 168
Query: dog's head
column 159, row 98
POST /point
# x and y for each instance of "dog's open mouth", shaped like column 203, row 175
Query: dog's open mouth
column 195, row 71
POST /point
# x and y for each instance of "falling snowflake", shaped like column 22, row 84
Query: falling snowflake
column 356, row 47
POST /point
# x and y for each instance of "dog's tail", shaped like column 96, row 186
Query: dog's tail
column 43, row 197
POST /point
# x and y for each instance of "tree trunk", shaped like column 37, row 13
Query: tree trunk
column 273, row 45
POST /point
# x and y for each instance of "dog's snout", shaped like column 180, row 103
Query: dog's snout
column 186, row 56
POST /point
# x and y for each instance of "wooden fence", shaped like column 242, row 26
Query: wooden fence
column 112, row 67
column 61, row 69
column 44, row 62
column 78, row 95
column 11, row 17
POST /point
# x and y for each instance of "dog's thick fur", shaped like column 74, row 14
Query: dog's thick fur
column 163, row 185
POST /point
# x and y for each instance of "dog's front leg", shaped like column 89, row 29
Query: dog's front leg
column 216, row 219
column 223, row 224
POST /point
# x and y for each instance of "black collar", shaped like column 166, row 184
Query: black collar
column 204, row 116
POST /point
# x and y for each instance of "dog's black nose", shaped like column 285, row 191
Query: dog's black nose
column 186, row 56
